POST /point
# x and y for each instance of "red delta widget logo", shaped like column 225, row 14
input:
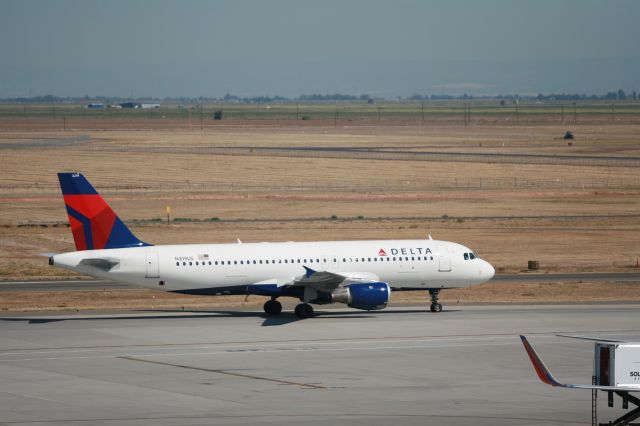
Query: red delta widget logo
column 405, row 251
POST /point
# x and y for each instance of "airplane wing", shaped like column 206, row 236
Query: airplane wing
column 546, row 377
column 329, row 281
column 323, row 281
column 593, row 339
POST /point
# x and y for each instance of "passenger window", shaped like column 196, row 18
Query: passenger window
column 466, row 256
column 368, row 259
column 190, row 264
column 197, row 263
column 184, row 263
column 394, row 259
column 177, row 263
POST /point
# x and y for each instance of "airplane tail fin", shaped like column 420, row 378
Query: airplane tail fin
column 93, row 223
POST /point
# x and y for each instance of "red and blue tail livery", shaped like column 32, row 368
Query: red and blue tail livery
column 93, row 223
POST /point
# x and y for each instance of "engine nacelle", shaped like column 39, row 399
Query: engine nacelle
column 365, row 296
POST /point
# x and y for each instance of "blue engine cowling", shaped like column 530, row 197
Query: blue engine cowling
column 365, row 296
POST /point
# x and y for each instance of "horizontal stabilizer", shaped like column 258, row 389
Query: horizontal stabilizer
column 100, row 263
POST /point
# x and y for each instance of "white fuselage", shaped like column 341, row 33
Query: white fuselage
column 400, row 263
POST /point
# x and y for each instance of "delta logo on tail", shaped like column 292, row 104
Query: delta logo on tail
column 94, row 224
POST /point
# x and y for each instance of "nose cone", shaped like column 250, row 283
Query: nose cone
column 491, row 271
column 484, row 272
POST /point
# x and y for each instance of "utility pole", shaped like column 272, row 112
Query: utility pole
column 575, row 113
column 613, row 112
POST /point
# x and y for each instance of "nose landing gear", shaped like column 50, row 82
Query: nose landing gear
column 435, row 306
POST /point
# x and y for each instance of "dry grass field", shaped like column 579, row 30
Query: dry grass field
column 568, row 217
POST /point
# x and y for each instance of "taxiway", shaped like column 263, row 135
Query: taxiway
column 402, row 365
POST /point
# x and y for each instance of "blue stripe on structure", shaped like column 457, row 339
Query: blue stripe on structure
column 86, row 226
column 75, row 184
column 122, row 237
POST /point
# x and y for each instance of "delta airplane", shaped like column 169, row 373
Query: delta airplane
column 360, row 274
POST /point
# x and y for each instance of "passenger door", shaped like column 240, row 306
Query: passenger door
column 444, row 264
column 153, row 268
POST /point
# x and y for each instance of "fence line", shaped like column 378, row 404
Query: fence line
column 396, row 155
column 515, row 183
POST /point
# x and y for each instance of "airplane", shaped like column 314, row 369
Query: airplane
column 360, row 274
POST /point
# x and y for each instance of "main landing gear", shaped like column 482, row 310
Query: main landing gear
column 435, row 306
column 272, row 307
column 304, row 310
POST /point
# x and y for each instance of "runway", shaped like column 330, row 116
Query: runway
column 93, row 284
column 398, row 366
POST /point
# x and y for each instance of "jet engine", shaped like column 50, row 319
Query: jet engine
column 365, row 296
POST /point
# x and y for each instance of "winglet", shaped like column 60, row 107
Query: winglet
column 545, row 375
column 541, row 370
column 308, row 272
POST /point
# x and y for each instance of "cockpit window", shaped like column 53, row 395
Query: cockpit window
column 472, row 256
column 466, row 256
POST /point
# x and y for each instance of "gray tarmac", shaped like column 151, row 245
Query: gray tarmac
column 404, row 365
column 93, row 284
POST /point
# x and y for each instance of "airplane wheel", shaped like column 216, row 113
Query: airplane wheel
column 304, row 310
column 436, row 307
column 272, row 307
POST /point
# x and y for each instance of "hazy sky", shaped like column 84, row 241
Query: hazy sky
column 383, row 48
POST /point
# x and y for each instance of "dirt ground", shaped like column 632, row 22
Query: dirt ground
column 569, row 218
